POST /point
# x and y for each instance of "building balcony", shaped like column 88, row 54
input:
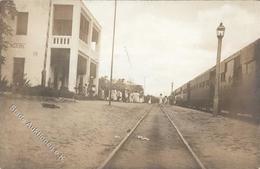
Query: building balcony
column 61, row 41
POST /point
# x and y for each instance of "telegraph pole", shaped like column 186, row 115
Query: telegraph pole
column 43, row 82
column 171, row 87
column 144, row 84
column 112, row 58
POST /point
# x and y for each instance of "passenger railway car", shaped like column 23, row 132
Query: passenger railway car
column 239, row 84
column 181, row 95
column 201, row 90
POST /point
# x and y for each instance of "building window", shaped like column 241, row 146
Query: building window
column 84, row 28
column 94, row 41
column 62, row 24
column 82, row 65
column 22, row 23
column 201, row 84
column 93, row 70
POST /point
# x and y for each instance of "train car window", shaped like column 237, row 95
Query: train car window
column 237, row 61
column 230, row 79
column 223, row 77
column 207, row 82
column 250, row 67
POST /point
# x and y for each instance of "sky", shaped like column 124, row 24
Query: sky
column 171, row 41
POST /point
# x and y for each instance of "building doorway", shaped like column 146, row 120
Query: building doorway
column 18, row 71
column 59, row 69
column 81, row 75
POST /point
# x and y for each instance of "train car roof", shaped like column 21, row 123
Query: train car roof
column 222, row 62
column 228, row 58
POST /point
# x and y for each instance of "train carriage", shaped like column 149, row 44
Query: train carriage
column 201, row 91
column 181, row 95
column 239, row 84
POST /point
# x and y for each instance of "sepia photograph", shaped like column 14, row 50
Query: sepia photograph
column 129, row 84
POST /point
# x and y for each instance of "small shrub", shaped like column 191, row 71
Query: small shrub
column 3, row 84
column 47, row 92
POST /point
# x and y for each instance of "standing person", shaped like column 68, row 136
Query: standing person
column 89, row 90
column 102, row 94
column 106, row 94
column 127, row 96
column 114, row 95
column 93, row 90
column 165, row 100
column 150, row 100
column 123, row 96
column 85, row 89
column 118, row 95
column 160, row 99
column 131, row 98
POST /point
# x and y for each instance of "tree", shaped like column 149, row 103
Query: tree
column 103, row 83
column 7, row 10
column 137, row 88
column 119, row 85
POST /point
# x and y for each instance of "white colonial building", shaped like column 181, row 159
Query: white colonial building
column 72, row 36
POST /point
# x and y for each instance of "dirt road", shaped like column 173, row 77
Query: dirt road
column 220, row 142
column 83, row 131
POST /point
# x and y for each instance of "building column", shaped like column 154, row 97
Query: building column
column 74, row 47
column 88, row 70
column 90, row 31
column 97, row 78
column 99, row 43
column 86, row 75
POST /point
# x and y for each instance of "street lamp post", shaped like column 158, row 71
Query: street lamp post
column 220, row 35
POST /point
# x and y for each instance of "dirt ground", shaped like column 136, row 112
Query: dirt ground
column 220, row 142
column 85, row 132
column 160, row 148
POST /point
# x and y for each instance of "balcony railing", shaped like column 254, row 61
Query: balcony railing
column 61, row 41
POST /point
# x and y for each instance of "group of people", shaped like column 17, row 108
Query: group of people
column 86, row 90
column 122, row 96
column 163, row 100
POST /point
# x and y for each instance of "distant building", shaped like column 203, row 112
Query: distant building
column 73, row 45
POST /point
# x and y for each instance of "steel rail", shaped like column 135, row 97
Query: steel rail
column 184, row 140
column 112, row 154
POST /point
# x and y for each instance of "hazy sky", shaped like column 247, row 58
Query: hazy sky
column 171, row 41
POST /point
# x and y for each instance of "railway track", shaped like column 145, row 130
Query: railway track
column 184, row 140
column 154, row 142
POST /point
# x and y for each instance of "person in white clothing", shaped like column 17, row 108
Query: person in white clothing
column 160, row 99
